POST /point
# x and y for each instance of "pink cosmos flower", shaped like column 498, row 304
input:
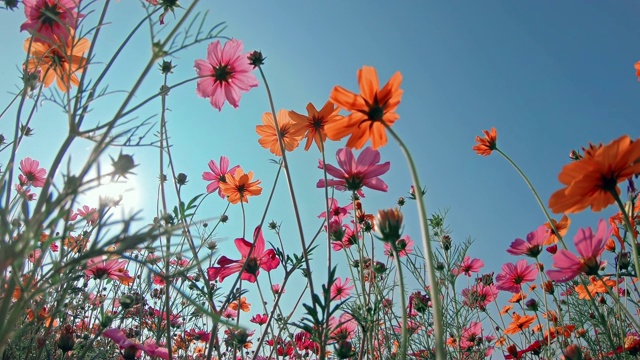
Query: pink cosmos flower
column 34, row 256
column 336, row 212
column 513, row 275
column 89, row 214
column 590, row 246
column 229, row 313
column 259, row 319
column 356, row 173
column 218, row 174
column 343, row 328
column 533, row 246
column 25, row 192
column 49, row 19
column 340, row 290
column 225, row 73
column 133, row 349
column 277, row 289
column 98, row 268
column 32, row 174
column 468, row 266
column 256, row 260
column 479, row 296
column 470, row 334
column 404, row 245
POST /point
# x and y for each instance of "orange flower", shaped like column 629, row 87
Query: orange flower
column 242, row 303
column 312, row 126
column 596, row 286
column 519, row 323
column 562, row 227
column 77, row 244
column 506, row 309
column 591, row 180
column 637, row 66
column 238, row 187
column 517, row 297
column 269, row 136
column 57, row 60
column 486, row 144
column 371, row 110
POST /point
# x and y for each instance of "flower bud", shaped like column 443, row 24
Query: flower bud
column 531, row 304
column 389, row 224
column 379, row 268
column 123, row 165
column 256, row 58
column 181, row 179
column 67, row 340
column 572, row 352
column 166, row 67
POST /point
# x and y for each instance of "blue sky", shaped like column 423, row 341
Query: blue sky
column 550, row 76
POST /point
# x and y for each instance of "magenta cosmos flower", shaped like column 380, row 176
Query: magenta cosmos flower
column 258, row 259
column 356, row 173
column 100, row 269
column 341, row 290
column 513, row 275
column 468, row 266
column 589, row 246
column 50, row 19
column 336, row 212
column 225, row 73
column 533, row 245
column 218, row 174
column 32, row 174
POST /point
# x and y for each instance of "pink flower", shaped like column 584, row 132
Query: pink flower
column 26, row 193
column 34, row 256
column 513, row 275
column 468, row 266
column 356, row 173
column 225, row 73
column 89, row 214
column 404, row 245
column 344, row 328
column 479, row 296
column 113, row 269
column 340, row 290
column 335, row 211
column 533, row 246
column 49, row 19
column 256, row 260
column 218, row 174
column 470, row 334
column 152, row 349
column 589, row 246
column 259, row 319
column 31, row 173
column 128, row 346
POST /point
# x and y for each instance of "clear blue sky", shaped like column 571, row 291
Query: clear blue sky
column 550, row 76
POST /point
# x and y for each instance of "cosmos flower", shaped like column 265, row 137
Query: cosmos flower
column 532, row 246
column 592, row 180
column 224, row 74
column 514, row 275
column 486, row 144
column 312, row 125
column 100, row 269
column 254, row 255
column 371, row 111
column 355, row 174
column 468, row 266
column 269, row 135
column 589, row 246
column 48, row 20
column 59, row 61
column 238, row 186
column 32, row 174
column 340, row 290
column 218, row 174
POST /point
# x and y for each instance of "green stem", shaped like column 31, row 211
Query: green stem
column 630, row 230
column 403, row 303
column 438, row 323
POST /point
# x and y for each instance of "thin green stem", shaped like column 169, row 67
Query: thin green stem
column 403, row 303
column 630, row 230
column 438, row 323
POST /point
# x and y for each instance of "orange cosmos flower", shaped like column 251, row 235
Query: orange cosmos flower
column 596, row 286
column 269, row 136
column 242, row 304
column 562, row 227
column 57, row 60
column 506, row 309
column 238, row 186
column 486, row 144
column 312, row 126
column 591, row 180
column 519, row 323
column 637, row 66
column 371, row 110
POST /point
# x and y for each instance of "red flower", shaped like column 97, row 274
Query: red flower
column 254, row 255
column 259, row 319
